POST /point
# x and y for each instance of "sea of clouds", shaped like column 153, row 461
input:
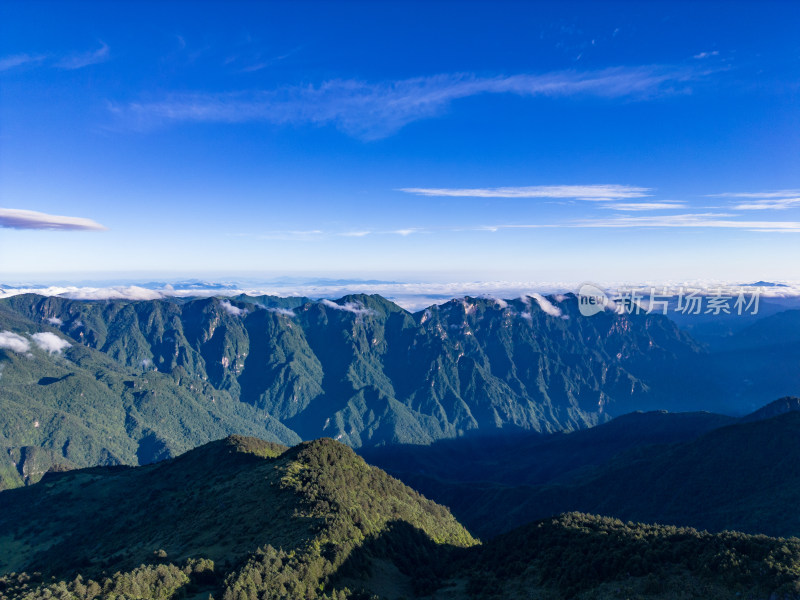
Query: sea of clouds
column 412, row 296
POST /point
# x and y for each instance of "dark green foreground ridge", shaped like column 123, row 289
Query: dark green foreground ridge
column 311, row 508
column 242, row 519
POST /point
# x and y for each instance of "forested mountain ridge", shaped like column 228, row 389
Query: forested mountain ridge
column 361, row 370
column 63, row 403
column 597, row 558
column 305, row 517
column 532, row 458
column 245, row 519
column 738, row 474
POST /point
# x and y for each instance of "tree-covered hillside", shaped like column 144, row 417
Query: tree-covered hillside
column 245, row 519
column 741, row 476
column 532, row 458
column 77, row 406
column 587, row 557
column 302, row 518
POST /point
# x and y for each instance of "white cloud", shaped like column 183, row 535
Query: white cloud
column 772, row 200
column 352, row 307
column 84, row 59
column 131, row 292
column 403, row 232
column 18, row 60
column 50, row 342
column 375, row 110
column 707, row 54
column 644, row 206
column 15, row 218
column 411, row 295
column 771, row 194
column 501, row 304
column 708, row 220
column 776, row 204
column 231, row 309
column 55, row 321
column 311, row 234
column 546, row 305
column 526, row 314
column 600, row 192
column 286, row 312
column 15, row 343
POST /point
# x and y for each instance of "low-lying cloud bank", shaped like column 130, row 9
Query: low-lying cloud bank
column 50, row 342
column 352, row 307
column 412, row 296
column 15, row 343
column 233, row 310
column 47, row 341
column 547, row 306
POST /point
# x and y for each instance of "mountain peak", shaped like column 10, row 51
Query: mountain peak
column 224, row 499
column 781, row 406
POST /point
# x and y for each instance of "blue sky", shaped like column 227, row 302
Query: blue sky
column 524, row 141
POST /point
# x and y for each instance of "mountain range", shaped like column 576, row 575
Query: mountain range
column 519, row 420
column 699, row 470
column 87, row 383
column 131, row 382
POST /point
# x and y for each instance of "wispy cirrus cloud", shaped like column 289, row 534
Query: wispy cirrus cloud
column 317, row 234
column 773, row 200
column 69, row 62
column 776, row 204
column 19, row 60
column 645, row 206
column 14, row 218
column 287, row 235
column 701, row 55
column 376, row 110
column 707, row 220
column 408, row 231
column 84, row 59
column 601, row 192
column 258, row 63
column 772, row 194
column 689, row 220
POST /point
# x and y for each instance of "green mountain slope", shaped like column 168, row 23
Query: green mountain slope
column 743, row 476
column 80, row 407
column 243, row 503
column 533, row 458
column 595, row 558
column 763, row 358
column 176, row 373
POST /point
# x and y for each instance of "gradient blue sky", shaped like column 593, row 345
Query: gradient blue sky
column 553, row 141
